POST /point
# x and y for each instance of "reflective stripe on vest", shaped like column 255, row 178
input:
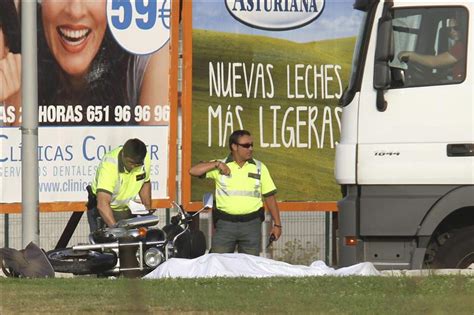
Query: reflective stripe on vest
column 259, row 172
column 224, row 191
column 241, row 193
column 118, row 203
column 222, row 181
column 114, row 160
column 110, row 159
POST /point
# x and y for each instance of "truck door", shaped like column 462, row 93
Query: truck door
column 426, row 134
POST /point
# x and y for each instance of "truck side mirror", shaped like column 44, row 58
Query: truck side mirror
column 362, row 5
column 383, row 55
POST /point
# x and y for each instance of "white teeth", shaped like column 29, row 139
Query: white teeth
column 73, row 35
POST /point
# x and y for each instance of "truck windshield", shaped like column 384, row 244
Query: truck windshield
column 357, row 53
column 357, row 58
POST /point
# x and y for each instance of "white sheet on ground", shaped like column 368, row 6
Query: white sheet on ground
column 242, row 265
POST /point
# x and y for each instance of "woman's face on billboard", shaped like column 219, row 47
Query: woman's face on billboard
column 74, row 30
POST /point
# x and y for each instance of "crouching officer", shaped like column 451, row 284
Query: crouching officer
column 241, row 184
column 123, row 173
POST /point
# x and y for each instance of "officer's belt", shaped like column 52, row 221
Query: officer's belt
column 221, row 215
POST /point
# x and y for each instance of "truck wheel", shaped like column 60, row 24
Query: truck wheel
column 456, row 250
column 81, row 262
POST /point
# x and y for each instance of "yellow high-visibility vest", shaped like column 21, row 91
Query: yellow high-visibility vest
column 112, row 177
column 243, row 190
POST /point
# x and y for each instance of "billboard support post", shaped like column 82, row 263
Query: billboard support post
column 29, row 127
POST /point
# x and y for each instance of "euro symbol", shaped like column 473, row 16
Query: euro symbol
column 164, row 13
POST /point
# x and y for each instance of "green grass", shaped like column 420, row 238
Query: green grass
column 300, row 174
column 326, row 295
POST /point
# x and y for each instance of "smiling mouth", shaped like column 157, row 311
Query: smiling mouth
column 73, row 37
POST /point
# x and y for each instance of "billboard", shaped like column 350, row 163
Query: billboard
column 107, row 72
column 276, row 69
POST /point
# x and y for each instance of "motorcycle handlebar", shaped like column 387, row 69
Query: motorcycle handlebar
column 183, row 216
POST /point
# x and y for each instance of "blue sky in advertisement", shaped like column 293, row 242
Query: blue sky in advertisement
column 337, row 20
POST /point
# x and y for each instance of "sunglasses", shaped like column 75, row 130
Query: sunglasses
column 456, row 28
column 245, row 145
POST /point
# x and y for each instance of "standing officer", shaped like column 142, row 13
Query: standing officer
column 123, row 173
column 241, row 184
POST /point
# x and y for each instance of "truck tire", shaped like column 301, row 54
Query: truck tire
column 455, row 250
column 81, row 262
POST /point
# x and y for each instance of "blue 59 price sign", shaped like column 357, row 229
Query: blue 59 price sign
column 140, row 26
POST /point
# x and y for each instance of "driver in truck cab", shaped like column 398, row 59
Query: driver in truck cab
column 455, row 57
column 122, row 174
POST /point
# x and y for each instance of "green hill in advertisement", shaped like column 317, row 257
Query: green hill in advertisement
column 285, row 93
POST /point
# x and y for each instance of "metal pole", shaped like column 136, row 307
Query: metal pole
column 179, row 160
column 168, row 216
column 7, row 230
column 29, row 127
column 327, row 237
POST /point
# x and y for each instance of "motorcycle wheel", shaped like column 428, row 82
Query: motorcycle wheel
column 81, row 262
column 198, row 244
column 183, row 243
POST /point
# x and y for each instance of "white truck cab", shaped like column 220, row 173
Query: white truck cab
column 405, row 160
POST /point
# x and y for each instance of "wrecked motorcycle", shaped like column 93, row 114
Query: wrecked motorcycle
column 134, row 247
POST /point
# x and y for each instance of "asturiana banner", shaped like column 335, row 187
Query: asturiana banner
column 277, row 69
